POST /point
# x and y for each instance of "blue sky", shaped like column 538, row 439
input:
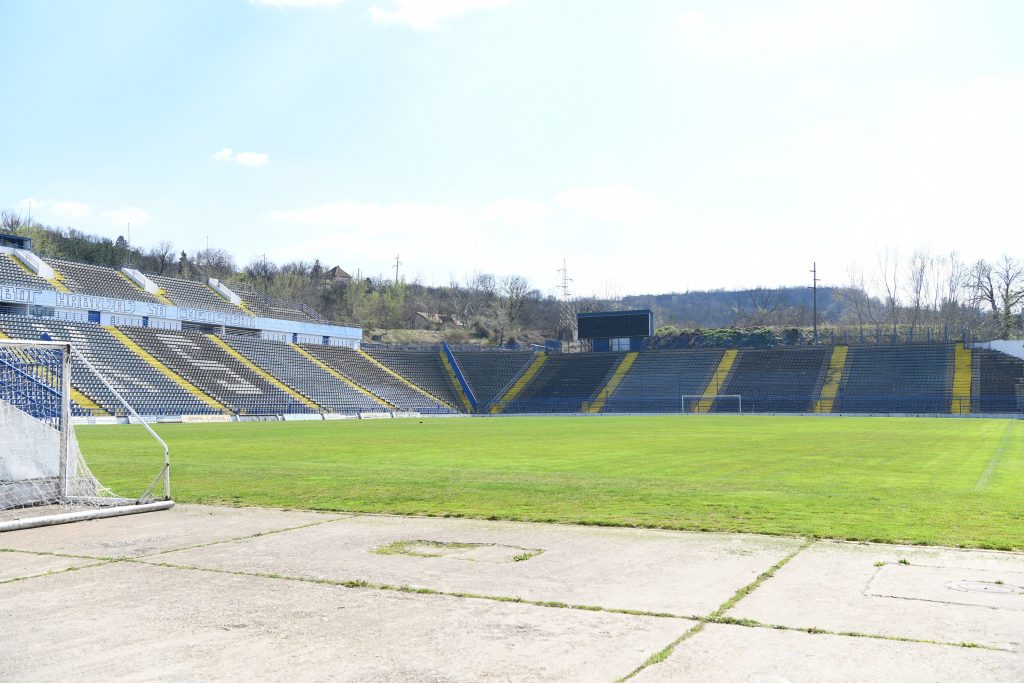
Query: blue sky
column 656, row 146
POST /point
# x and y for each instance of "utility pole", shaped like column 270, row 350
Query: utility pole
column 814, row 289
column 567, row 318
column 128, row 256
column 397, row 263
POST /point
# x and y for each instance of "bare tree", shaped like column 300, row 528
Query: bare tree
column 889, row 268
column 162, row 256
column 762, row 306
column 999, row 287
column 917, row 284
column 215, row 263
column 11, row 221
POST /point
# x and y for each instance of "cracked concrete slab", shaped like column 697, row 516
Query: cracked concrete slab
column 135, row 535
column 639, row 569
column 895, row 591
column 15, row 565
column 736, row 653
column 133, row 621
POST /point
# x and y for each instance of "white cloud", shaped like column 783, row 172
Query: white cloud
column 427, row 15
column 56, row 208
column 615, row 203
column 127, row 214
column 516, row 212
column 296, row 3
column 251, row 159
column 764, row 32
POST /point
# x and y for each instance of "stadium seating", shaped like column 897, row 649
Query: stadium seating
column 189, row 294
column 376, row 380
column 422, row 368
column 86, row 278
column 998, row 383
column 897, row 379
column 285, row 363
column 657, row 381
column 489, row 373
column 145, row 389
column 265, row 307
column 11, row 273
column 216, row 372
column 565, row 382
column 777, row 380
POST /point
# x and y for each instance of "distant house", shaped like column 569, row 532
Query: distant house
column 336, row 274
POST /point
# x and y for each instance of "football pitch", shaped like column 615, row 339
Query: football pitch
column 955, row 482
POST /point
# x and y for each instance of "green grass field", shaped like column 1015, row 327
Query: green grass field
column 918, row 480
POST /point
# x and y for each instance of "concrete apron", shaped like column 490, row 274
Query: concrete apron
column 203, row 592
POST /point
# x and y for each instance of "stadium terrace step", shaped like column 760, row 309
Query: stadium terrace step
column 998, row 381
column 565, row 383
column 209, row 367
column 191, row 294
column 14, row 272
column 375, row 379
column 608, row 389
column 87, row 278
column 263, row 373
column 833, row 378
column 657, row 380
column 914, row 379
column 963, row 363
column 423, row 370
column 776, row 380
column 56, row 281
column 502, row 402
column 490, row 373
column 711, row 391
column 427, row 370
column 88, row 405
column 372, row 402
column 166, row 371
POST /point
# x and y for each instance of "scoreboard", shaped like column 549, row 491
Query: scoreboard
column 615, row 324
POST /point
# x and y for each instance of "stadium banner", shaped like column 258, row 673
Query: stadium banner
column 299, row 417
column 340, row 416
column 30, row 296
column 375, row 416
column 199, row 419
column 94, row 420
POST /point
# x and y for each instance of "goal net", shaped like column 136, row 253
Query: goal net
column 721, row 403
column 44, row 478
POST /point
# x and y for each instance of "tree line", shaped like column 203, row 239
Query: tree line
column 983, row 299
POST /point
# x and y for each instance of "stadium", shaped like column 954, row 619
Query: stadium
column 292, row 386
column 719, row 440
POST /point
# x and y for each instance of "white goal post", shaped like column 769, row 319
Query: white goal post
column 696, row 403
column 44, row 478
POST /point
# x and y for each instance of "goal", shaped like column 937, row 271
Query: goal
column 44, row 478
column 722, row 403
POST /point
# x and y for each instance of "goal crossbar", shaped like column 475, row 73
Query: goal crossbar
column 699, row 403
